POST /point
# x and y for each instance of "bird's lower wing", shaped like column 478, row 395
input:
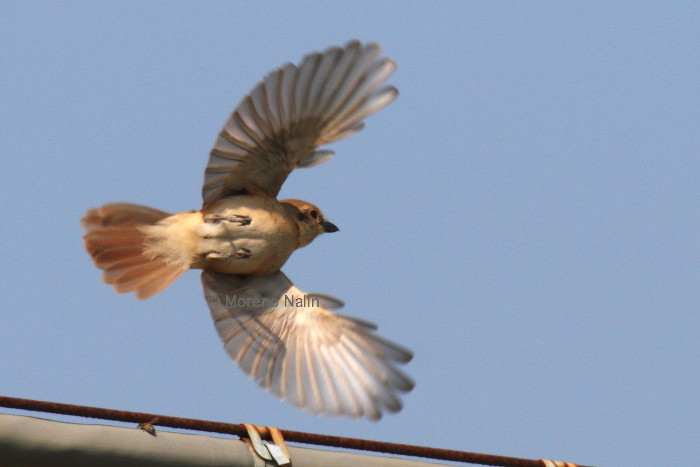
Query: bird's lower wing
column 290, row 344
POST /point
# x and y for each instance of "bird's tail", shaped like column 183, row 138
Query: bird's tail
column 116, row 238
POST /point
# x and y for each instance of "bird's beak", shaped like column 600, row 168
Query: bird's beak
column 329, row 227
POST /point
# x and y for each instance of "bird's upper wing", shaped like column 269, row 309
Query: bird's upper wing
column 292, row 345
column 292, row 111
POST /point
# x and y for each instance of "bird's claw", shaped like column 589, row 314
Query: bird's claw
column 241, row 253
column 235, row 219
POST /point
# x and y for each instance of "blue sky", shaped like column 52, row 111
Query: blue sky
column 525, row 216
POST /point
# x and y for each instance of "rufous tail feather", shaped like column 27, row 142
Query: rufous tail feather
column 115, row 241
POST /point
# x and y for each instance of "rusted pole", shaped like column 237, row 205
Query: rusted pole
column 289, row 435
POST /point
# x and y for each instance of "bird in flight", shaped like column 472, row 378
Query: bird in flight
column 290, row 342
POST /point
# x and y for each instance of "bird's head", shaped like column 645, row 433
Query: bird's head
column 310, row 220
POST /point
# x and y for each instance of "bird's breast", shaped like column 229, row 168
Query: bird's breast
column 244, row 234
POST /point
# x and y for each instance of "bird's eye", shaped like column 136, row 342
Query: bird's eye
column 313, row 213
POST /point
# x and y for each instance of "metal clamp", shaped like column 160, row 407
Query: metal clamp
column 548, row 463
column 276, row 453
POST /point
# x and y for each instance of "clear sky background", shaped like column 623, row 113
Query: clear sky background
column 525, row 217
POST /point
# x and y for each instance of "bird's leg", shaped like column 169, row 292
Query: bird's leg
column 235, row 219
column 241, row 253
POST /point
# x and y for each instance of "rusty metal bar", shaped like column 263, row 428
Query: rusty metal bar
column 289, row 435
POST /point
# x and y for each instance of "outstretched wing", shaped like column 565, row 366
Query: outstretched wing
column 292, row 111
column 293, row 346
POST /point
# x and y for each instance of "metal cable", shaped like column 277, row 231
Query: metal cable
column 289, row 435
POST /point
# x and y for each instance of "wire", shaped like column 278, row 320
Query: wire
column 289, row 435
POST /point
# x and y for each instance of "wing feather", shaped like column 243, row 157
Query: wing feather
column 280, row 123
column 303, row 353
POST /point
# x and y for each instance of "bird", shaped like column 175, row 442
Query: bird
column 291, row 343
